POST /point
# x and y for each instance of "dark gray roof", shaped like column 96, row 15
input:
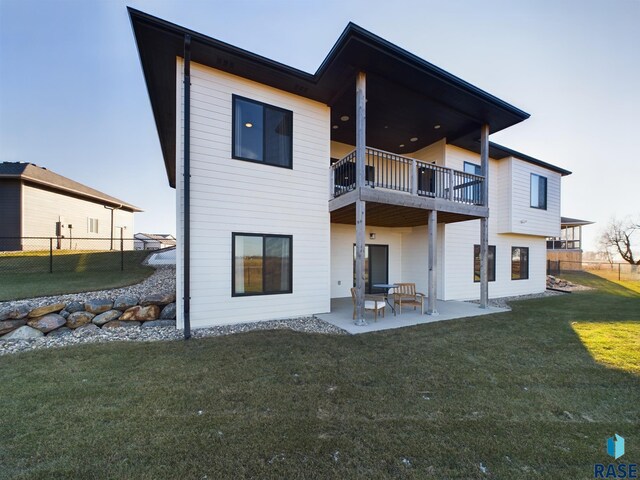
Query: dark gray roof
column 574, row 222
column 42, row 176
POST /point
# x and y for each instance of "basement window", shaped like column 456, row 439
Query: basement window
column 262, row 133
column 262, row 264
column 519, row 263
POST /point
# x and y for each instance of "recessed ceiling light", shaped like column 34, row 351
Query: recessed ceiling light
column 248, row 124
column 344, row 118
column 414, row 139
column 436, row 127
column 335, row 127
column 401, row 145
column 386, row 126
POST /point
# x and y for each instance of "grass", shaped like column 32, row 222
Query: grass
column 26, row 274
column 511, row 395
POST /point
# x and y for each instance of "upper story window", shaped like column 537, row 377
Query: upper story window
column 473, row 191
column 262, row 133
column 538, row 191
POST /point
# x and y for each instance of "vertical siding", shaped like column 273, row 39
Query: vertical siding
column 42, row 208
column 229, row 195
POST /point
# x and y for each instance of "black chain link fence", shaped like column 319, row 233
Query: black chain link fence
column 60, row 254
column 611, row 271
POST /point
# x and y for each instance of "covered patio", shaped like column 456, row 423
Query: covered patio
column 341, row 315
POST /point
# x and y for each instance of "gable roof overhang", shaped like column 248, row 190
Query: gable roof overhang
column 406, row 95
column 27, row 172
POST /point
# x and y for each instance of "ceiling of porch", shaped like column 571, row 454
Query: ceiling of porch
column 385, row 215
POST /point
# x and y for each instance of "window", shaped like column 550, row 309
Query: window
column 473, row 192
column 538, row 191
column 261, row 264
column 262, row 133
column 92, row 225
column 519, row 263
column 476, row 263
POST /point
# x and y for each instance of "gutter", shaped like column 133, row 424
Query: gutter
column 186, row 265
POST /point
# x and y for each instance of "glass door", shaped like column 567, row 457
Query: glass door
column 376, row 267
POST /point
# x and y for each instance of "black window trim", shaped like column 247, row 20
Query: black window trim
column 478, row 167
column 546, row 192
column 233, row 263
column 490, row 265
column 521, row 277
column 233, row 131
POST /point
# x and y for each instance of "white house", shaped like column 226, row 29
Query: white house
column 153, row 241
column 294, row 187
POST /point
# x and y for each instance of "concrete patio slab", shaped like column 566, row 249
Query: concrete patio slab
column 341, row 315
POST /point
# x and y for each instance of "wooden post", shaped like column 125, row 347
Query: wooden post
column 484, row 222
column 361, row 124
column 432, row 231
column 332, row 182
column 451, row 184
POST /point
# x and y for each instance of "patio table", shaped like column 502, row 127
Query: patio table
column 388, row 286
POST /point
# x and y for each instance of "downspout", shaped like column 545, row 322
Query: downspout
column 111, row 233
column 186, row 266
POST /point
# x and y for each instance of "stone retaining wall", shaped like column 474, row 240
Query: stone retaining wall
column 54, row 319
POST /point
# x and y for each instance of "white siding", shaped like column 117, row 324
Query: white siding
column 43, row 208
column 229, row 195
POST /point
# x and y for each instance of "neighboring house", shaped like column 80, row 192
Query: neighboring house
column 153, row 241
column 282, row 205
column 36, row 202
column 567, row 247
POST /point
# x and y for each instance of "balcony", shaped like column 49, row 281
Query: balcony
column 392, row 172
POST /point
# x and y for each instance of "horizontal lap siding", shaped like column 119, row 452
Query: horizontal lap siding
column 229, row 195
column 461, row 237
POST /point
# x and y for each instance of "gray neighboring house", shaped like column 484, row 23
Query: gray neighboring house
column 153, row 241
column 36, row 202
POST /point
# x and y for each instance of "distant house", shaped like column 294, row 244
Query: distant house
column 36, row 202
column 153, row 241
column 568, row 246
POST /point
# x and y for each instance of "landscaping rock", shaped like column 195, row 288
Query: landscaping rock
column 7, row 326
column 149, row 312
column 74, row 307
column 106, row 317
column 47, row 323
column 98, row 305
column 168, row 312
column 40, row 311
column 14, row 312
column 121, row 324
column 158, row 299
column 123, row 302
column 23, row 333
column 78, row 319
column 60, row 332
column 159, row 323
column 88, row 329
column 64, row 314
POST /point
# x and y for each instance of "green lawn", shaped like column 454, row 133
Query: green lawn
column 511, row 396
column 26, row 274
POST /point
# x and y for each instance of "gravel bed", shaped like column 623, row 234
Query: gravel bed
column 155, row 334
column 503, row 302
column 163, row 280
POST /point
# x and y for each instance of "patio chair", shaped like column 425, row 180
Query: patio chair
column 372, row 303
column 405, row 295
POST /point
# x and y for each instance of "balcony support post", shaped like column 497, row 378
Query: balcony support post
column 484, row 222
column 361, row 145
column 432, row 231
column 414, row 176
column 451, row 185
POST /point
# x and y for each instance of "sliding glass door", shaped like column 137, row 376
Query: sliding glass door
column 376, row 267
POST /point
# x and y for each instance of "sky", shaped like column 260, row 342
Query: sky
column 73, row 98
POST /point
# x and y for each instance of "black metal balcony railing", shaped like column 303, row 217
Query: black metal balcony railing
column 395, row 172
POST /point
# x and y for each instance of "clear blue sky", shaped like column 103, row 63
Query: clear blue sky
column 73, row 99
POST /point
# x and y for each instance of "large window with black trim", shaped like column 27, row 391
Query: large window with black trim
column 538, row 191
column 261, row 264
column 262, row 133
column 476, row 263
column 519, row 263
